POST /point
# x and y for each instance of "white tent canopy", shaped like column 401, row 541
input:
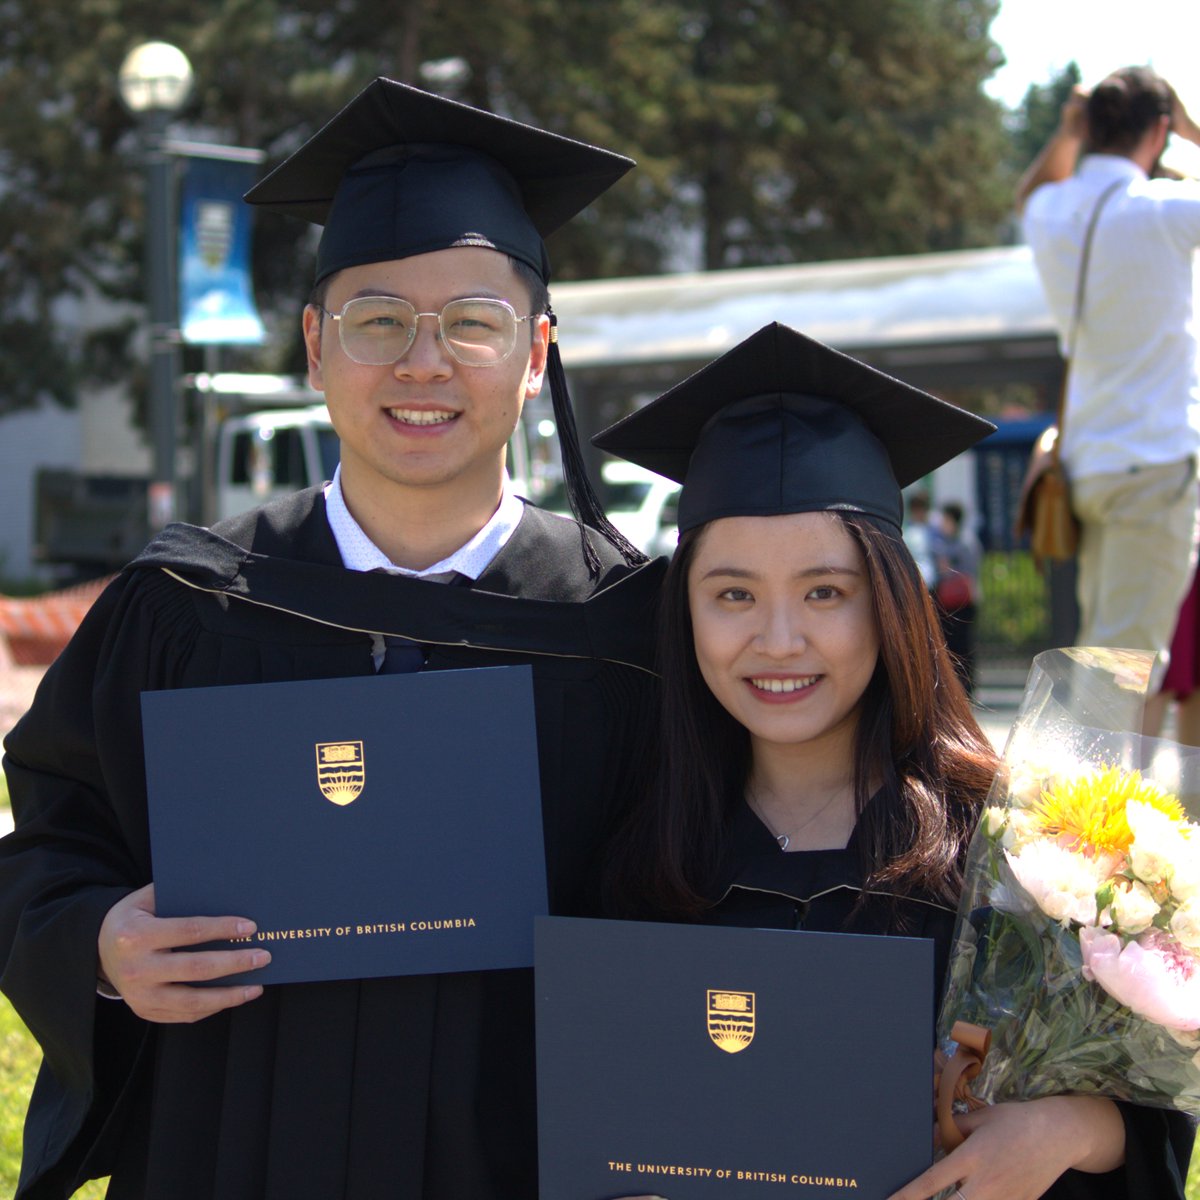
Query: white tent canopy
column 942, row 306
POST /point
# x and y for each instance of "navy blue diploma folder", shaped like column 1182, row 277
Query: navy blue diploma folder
column 384, row 825
column 710, row 1063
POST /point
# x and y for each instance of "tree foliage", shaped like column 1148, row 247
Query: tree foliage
column 1037, row 118
column 766, row 131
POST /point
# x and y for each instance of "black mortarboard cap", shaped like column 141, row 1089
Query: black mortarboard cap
column 784, row 424
column 400, row 171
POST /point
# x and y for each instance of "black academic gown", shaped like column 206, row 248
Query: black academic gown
column 407, row 1087
column 761, row 886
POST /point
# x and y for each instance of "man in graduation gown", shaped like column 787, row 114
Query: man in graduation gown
column 427, row 331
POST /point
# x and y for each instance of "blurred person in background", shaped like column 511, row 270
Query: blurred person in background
column 1132, row 409
column 920, row 536
column 1181, row 684
column 956, row 591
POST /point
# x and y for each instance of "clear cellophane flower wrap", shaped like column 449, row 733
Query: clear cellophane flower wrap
column 1078, row 937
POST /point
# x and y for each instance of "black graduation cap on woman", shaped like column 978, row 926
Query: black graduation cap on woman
column 400, row 172
column 784, row 424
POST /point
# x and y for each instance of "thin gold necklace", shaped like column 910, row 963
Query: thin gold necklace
column 785, row 840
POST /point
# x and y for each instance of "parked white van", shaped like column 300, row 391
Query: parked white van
column 641, row 504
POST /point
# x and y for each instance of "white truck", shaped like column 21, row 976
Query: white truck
column 267, row 453
column 264, row 454
column 89, row 524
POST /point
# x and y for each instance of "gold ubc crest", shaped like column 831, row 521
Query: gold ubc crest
column 341, row 770
column 731, row 1020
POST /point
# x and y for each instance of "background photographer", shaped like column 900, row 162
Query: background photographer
column 1132, row 411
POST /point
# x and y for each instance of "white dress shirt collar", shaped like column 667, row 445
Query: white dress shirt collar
column 1110, row 166
column 359, row 553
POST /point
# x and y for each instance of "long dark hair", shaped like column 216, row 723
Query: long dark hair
column 916, row 736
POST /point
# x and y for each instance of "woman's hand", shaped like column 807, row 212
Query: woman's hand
column 1016, row 1151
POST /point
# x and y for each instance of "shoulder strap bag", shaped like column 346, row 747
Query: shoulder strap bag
column 1044, row 507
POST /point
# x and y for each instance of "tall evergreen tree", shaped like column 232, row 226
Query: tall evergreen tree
column 1037, row 116
column 765, row 131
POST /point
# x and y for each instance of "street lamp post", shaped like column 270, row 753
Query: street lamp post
column 155, row 80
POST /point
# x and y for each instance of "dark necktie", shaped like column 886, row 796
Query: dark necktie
column 402, row 657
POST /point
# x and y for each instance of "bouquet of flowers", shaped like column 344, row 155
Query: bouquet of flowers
column 1078, row 937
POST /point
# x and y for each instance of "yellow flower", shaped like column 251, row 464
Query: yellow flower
column 1087, row 813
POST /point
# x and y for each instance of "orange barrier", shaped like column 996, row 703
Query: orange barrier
column 36, row 628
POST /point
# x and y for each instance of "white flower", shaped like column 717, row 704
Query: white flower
column 1185, row 924
column 1159, row 843
column 1062, row 884
column 1024, row 787
column 1185, row 874
column 1009, row 826
column 1133, row 908
column 1021, row 828
column 994, row 819
column 1011, row 900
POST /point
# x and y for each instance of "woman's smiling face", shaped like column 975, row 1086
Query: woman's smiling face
column 784, row 625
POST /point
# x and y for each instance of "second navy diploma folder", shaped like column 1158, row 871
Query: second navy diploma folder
column 382, row 825
column 712, row 1063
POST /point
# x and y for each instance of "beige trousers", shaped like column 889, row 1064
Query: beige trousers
column 1137, row 553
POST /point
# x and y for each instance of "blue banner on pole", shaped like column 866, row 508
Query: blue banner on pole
column 216, row 301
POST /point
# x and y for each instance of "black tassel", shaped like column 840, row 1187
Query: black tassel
column 580, row 495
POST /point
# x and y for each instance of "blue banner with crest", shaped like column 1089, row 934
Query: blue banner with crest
column 216, row 299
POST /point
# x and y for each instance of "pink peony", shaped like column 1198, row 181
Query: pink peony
column 1154, row 975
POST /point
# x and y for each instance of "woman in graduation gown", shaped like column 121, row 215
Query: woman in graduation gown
column 820, row 767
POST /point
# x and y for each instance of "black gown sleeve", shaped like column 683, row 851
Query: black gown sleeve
column 74, row 768
column 1158, row 1148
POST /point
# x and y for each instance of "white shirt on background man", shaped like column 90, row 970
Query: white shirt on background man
column 1134, row 390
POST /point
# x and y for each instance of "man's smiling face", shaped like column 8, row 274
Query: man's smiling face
column 425, row 421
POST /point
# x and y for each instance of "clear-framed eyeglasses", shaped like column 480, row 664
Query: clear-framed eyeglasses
column 377, row 331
